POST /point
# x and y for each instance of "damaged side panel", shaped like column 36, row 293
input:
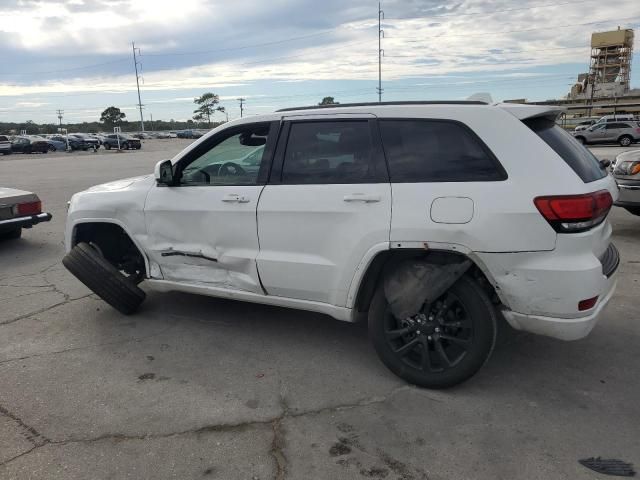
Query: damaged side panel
column 196, row 236
column 413, row 282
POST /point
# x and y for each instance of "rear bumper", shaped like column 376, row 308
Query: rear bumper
column 629, row 195
column 24, row 222
column 561, row 328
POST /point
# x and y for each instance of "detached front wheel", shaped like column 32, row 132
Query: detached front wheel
column 91, row 268
column 446, row 343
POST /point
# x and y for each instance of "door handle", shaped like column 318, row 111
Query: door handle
column 361, row 197
column 235, row 198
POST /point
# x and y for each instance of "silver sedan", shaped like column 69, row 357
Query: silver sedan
column 19, row 209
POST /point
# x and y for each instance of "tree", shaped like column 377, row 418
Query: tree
column 112, row 117
column 328, row 101
column 208, row 106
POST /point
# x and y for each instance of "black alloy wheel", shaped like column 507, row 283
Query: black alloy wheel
column 447, row 342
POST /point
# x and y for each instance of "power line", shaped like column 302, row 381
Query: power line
column 65, row 69
column 476, row 34
column 493, row 12
column 135, row 64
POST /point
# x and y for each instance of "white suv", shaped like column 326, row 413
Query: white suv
column 426, row 218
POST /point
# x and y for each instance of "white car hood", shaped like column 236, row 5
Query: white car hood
column 122, row 184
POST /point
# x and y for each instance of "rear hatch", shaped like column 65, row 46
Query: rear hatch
column 578, row 217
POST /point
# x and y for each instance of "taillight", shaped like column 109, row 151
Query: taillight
column 30, row 208
column 575, row 213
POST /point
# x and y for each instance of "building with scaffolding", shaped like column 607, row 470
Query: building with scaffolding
column 609, row 69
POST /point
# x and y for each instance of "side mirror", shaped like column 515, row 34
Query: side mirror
column 164, row 173
column 605, row 163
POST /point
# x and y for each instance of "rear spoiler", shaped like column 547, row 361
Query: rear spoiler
column 524, row 112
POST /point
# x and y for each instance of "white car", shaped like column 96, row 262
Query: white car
column 428, row 219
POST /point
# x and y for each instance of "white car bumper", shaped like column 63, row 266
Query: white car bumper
column 561, row 328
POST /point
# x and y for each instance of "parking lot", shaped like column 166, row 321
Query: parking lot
column 195, row 387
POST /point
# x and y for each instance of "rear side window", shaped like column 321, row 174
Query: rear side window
column 578, row 157
column 331, row 152
column 437, row 151
column 3, row 138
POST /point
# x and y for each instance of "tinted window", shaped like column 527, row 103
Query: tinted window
column 331, row 152
column 581, row 160
column 3, row 138
column 436, row 151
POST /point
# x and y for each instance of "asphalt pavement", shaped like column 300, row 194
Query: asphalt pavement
column 194, row 387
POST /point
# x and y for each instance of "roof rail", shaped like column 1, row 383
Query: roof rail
column 377, row 104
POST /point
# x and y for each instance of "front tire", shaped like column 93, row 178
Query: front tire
column 441, row 347
column 582, row 140
column 625, row 141
column 92, row 269
column 107, row 146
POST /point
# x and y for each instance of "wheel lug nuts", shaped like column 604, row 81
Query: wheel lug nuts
column 429, row 337
column 418, row 332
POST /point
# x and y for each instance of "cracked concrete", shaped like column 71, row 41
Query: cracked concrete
column 193, row 387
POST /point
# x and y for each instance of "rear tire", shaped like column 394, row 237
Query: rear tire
column 625, row 141
column 91, row 268
column 107, row 146
column 468, row 322
column 581, row 140
column 633, row 210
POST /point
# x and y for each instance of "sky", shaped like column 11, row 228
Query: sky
column 76, row 55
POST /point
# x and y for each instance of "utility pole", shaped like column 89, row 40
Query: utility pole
column 380, row 50
column 242, row 100
column 135, row 64
column 151, row 114
column 60, row 115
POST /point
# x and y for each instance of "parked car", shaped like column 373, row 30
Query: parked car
column 75, row 143
column 88, row 140
column 624, row 133
column 5, row 145
column 57, row 145
column 189, row 134
column 626, row 171
column 29, row 144
column 488, row 217
column 19, row 209
column 123, row 141
column 584, row 125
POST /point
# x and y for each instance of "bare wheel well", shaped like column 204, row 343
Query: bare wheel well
column 115, row 245
column 390, row 257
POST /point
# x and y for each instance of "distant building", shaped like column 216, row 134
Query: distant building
column 610, row 67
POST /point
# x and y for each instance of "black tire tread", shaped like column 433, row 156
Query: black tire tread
column 103, row 279
column 377, row 309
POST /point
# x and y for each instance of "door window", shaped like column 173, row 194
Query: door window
column 235, row 160
column 331, row 152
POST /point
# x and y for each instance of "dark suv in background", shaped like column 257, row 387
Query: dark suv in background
column 125, row 142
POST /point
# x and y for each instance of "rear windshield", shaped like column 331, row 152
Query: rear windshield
column 577, row 156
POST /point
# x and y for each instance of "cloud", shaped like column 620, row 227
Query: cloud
column 83, row 46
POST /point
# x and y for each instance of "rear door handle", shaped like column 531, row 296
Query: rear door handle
column 235, row 198
column 361, row 197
